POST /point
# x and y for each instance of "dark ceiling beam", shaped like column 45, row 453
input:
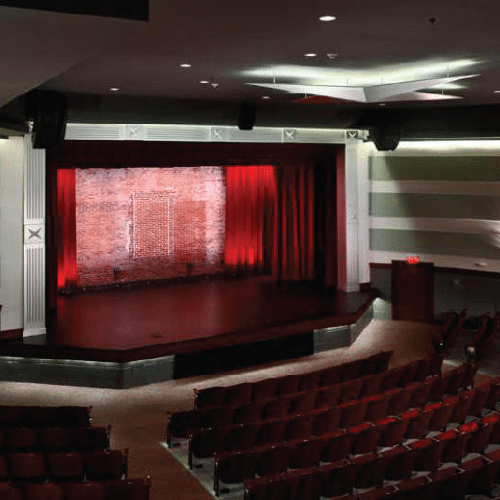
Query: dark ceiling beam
column 137, row 10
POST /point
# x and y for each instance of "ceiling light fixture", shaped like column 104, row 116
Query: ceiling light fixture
column 185, row 65
column 327, row 18
column 310, row 54
column 265, row 97
column 114, row 89
column 332, row 55
column 204, row 82
column 496, row 91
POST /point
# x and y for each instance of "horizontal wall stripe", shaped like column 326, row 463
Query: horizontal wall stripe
column 437, row 187
column 468, row 226
column 450, row 206
column 435, row 168
column 433, row 242
column 449, row 261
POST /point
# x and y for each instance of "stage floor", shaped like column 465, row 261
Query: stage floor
column 202, row 326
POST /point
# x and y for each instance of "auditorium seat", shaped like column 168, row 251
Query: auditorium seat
column 56, row 439
column 327, row 421
column 210, row 397
column 465, row 399
column 20, row 438
column 248, row 413
column 337, row 478
column 309, row 381
column 27, row 467
column 412, row 489
column 332, row 375
column 126, row 489
column 367, row 437
column 4, row 468
column 377, row 407
column 89, row 490
column 273, row 459
column 372, row 384
column 394, row 430
column 400, row 400
column 105, row 465
column 238, row 394
column 278, row 407
column 271, row 432
column 400, row 463
column 264, row 389
column 353, row 413
column 420, row 395
column 232, row 468
column 338, row 446
column 327, row 397
column 351, row 370
column 479, row 433
column 430, row 454
column 481, row 393
column 238, row 437
column 9, row 492
column 45, row 491
column 203, row 444
column 307, row 453
column 351, row 390
column 299, row 427
column 66, row 466
column 377, row 493
column 448, row 484
column 289, row 384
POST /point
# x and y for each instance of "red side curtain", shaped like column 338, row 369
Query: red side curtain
column 294, row 246
column 66, row 228
column 250, row 206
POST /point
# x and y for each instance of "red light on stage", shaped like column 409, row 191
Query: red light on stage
column 412, row 259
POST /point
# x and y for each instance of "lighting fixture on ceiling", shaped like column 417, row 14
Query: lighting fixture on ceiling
column 310, row 54
column 185, row 65
column 396, row 83
column 496, row 91
column 265, row 97
column 114, row 89
column 327, row 18
column 204, row 82
column 332, row 55
column 213, row 83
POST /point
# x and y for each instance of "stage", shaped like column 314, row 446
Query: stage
column 137, row 334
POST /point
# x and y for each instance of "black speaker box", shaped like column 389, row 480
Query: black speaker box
column 246, row 115
column 48, row 111
column 387, row 136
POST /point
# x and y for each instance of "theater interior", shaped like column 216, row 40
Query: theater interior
column 249, row 251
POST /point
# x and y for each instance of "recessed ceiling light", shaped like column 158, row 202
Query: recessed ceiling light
column 204, row 82
column 327, row 18
column 332, row 55
column 310, row 54
column 265, row 97
column 496, row 91
column 114, row 89
column 185, row 65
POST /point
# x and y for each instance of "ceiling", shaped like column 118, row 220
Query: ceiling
column 232, row 44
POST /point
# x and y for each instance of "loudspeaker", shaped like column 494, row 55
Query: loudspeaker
column 246, row 115
column 386, row 136
column 48, row 111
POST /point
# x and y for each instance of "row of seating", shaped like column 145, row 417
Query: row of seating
column 271, row 387
column 122, row 489
column 363, row 471
column 362, row 439
column 445, row 339
column 204, row 443
column 182, row 424
column 54, row 438
column 44, row 416
column 64, row 466
column 476, row 349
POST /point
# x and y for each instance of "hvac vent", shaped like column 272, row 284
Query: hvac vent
column 320, row 136
column 255, row 135
column 81, row 131
column 177, row 133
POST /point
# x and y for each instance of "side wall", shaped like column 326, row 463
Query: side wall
column 11, row 232
column 439, row 200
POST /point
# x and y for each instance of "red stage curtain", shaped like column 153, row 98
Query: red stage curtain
column 294, row 247
column 250, row 206
column 66, row 230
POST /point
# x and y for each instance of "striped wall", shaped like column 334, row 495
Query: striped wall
column 440, row 201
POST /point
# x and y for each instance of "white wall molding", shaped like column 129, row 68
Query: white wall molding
column 202, row 133
column 34, row 239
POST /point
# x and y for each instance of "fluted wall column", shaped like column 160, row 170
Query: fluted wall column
column 34, row 239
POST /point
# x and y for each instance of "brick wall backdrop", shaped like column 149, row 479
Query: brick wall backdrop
column 148, row 223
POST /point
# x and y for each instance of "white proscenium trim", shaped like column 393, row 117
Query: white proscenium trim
column 453, row 261
column 201, row 133
column 480, row 188
column 466, row 226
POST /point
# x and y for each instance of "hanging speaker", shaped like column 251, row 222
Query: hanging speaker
column 246, row 115
column 48, row 111
column 386, row 136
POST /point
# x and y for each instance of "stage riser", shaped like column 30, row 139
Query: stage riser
column 243, row 355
